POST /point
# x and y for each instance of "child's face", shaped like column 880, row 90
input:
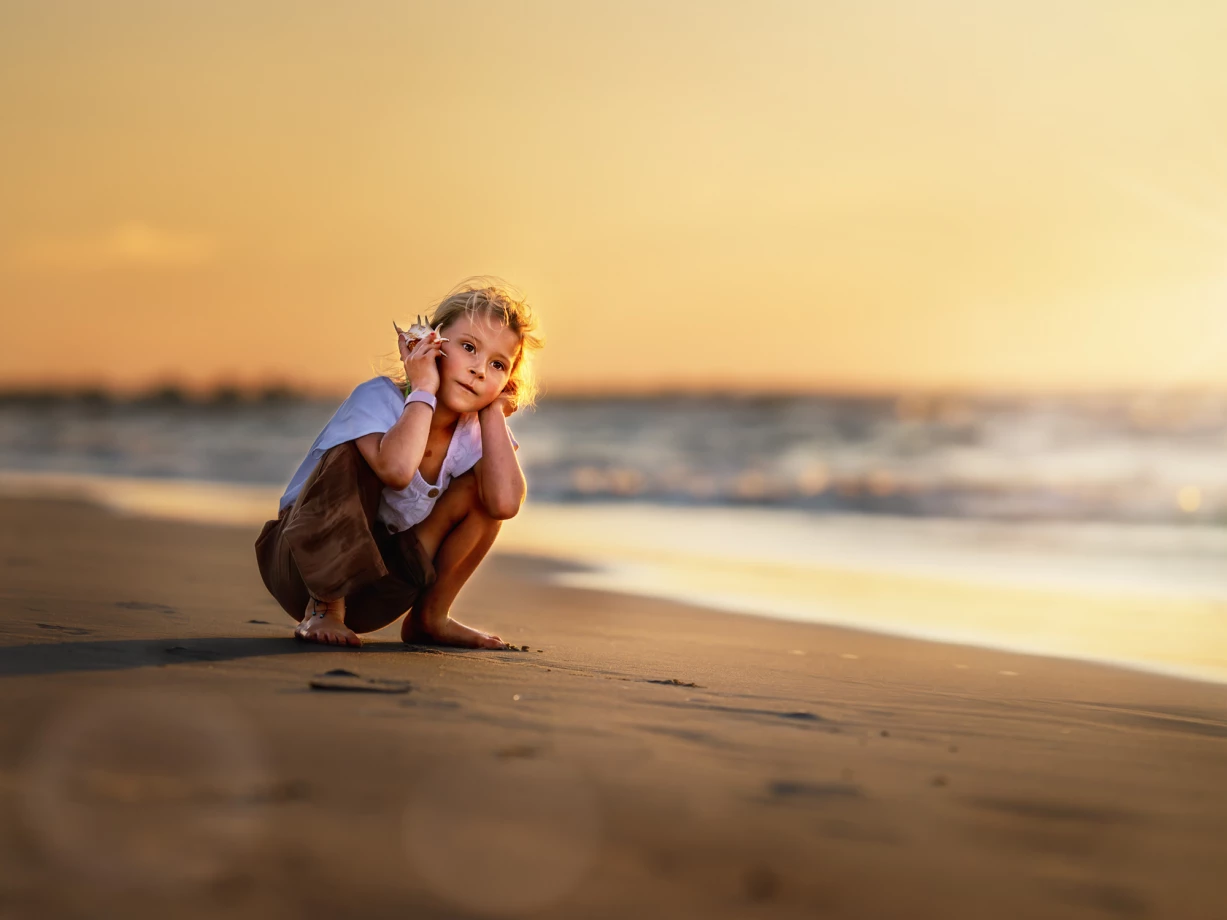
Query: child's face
column 480, row 352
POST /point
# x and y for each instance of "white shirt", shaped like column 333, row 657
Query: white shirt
column 402, row 508
column 374, row 406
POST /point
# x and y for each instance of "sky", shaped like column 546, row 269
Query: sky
column 840, row 195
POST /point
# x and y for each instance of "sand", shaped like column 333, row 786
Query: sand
column 163, row 753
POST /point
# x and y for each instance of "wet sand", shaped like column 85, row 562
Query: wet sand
column 163, row 754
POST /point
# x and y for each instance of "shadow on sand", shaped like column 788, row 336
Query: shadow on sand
column 121, row 654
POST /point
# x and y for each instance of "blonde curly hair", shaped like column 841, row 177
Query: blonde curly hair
column 495, row 299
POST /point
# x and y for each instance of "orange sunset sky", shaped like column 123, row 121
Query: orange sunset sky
column 790, row 195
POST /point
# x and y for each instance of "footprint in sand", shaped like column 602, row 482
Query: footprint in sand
column 761, row 883
column 146, row 607
column 1106, row 898
column 71, row 630
column 517, row 750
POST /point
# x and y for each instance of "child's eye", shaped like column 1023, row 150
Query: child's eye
column 468, row 346
column 499, row 365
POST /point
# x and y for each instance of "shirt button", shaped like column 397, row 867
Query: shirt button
column 432, row 493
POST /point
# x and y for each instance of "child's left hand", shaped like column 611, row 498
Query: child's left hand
column 504, row 402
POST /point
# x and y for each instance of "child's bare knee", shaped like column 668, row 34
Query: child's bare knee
column 467, row 492
column 469, row 495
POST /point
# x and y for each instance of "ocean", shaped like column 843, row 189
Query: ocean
column 1139, row 458
column 1086, row 527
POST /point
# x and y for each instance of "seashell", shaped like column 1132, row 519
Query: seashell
column 419, row 330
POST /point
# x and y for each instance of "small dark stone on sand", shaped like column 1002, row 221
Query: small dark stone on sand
column 674, row 682
column 884, row 733
column 340, row 679
column 940, row 780
column 524, row 648
column 261, row 622
column 953, row 749
column 789, row 789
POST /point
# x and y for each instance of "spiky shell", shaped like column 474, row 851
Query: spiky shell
column 419, row 330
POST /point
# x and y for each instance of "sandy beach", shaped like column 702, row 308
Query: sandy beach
column 163, row 753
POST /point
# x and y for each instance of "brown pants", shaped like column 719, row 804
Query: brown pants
column 328, row 544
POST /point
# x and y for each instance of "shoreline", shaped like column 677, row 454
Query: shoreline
column 1094, row 594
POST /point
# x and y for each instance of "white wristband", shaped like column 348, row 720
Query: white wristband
column 423, row 397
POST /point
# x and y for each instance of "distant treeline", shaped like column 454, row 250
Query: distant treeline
column 163, row 395
column 914, row 405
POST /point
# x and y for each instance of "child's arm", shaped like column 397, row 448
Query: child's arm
column 396, row 454
column 500, row 481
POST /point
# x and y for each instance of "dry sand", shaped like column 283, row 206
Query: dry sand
column 163, row 754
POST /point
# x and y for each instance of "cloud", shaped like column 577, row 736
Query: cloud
column 129, row 244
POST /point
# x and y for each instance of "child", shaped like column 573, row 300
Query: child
column 403, row 492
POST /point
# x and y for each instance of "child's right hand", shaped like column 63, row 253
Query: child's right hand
column 421, row 360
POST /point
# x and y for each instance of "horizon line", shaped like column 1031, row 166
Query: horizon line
column 222, row 392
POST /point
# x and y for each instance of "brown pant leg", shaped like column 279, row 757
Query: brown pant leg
column 386, row 600
column 329, row 544
column 278, row 570
column 328, row 528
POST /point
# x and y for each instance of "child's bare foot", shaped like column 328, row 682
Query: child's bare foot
column 324, row 622
column 448, row 632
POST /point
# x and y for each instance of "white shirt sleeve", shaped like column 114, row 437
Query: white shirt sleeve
column 373, row 407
